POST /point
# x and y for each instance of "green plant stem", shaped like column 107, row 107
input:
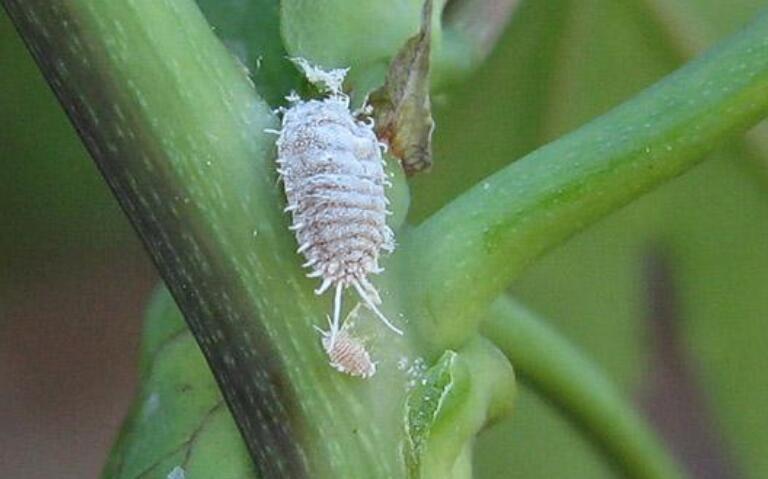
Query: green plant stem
column 156, row 99
column 558, row 372
column 177, row 130
column 467, row 253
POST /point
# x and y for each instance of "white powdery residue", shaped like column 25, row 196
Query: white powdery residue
column 331, row 80
column 402, row 363
column 415, row 372
column 177, row 473
column 151, row 405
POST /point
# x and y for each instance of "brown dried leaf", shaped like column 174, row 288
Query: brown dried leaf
column 401, row 107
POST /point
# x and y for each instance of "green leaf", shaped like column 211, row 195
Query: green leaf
column 444, row 384
column 458, row 396
column 179, row 419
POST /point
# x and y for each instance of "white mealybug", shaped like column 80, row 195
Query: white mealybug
column 346, row 353
column 332, row 169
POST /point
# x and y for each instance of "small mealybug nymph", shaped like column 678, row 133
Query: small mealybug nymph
column 346, row 353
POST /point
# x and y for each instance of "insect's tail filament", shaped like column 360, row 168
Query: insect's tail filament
column 369, row 302
column 336, row 323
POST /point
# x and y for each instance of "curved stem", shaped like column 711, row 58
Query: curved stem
column 468, row 252
column 557, row 371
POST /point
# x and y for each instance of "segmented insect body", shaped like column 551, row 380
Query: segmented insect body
column 332, row 169
column 347, row 354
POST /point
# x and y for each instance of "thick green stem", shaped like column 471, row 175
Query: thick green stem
column 558, row 372
column 467, row 253
column 177, row 130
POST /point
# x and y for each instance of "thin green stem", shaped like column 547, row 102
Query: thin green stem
column 468, row 252
column 557, row 371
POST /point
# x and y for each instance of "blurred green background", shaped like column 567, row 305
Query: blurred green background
column 669, row 295
column 73, row 283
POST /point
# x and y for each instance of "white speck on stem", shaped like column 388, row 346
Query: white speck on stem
column 152, row 405
column 177, row 473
